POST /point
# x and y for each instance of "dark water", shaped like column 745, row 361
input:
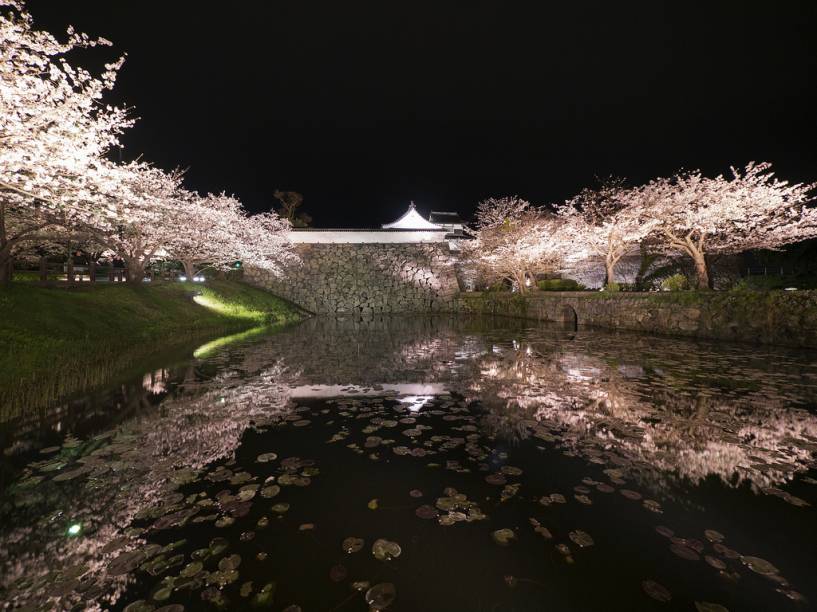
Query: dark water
column 469, row 465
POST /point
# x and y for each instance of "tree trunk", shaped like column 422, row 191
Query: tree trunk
column 70, row 268
column 189, row 269
column 701, row 271
column 92, row 269
column 610, row 267
column 520, row 283
column 136, row 271
column 6, row 270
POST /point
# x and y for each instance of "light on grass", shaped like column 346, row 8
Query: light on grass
column 182, row 279
column 74, row 529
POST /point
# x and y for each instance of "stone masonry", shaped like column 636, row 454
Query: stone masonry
column 366, row 278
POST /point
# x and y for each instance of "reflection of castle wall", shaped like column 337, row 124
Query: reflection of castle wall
column 366, row 278
column 375, row 350
column 781, row 317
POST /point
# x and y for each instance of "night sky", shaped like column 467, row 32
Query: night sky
column 365, row 106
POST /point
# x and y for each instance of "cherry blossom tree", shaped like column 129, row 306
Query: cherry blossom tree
column 263, row 242
column 215, row 231
column 608, row 221
column 53, row 128
column 139, row 214
column 513, row 239
column 206, row 232
column 751, row 209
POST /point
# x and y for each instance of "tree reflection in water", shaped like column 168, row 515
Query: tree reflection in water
column 661, row 412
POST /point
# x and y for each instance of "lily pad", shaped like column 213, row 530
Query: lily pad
column 706, row 606
column 685, row 552
column 760, row 566
column 503, row 537
column 656, row 591
column 381, row 596
column 582, row 539
column 338, row 573
column 426, row 512
column 385, row 550
column 714, row 536
column 352, row 545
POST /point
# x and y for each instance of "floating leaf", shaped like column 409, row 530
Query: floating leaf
column 266, row 457
column 713, row 536
column 352, row 545
column 581, row 538
column 270, row 491
column 706, row 606
column 685, row 552
column 338, row 573
column 760, row 566
column 655, row 590
column 191, row 569
column 229, row 563
column 510, row 470
column 381, row 596
column 427, row 512
column 280, row 508
column 503, row 537
column 715, row 562
column 416, row 493
column 372, row 505
column 385, row 550
column 218, row 546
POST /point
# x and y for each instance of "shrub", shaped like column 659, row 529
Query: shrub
column 612, row 287
column 676, row 282
column 560, row 284
column 499, row 286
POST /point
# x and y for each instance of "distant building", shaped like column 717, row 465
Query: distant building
column 411, row 227
column 451, row 221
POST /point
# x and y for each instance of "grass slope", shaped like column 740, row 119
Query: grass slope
column 58, row 340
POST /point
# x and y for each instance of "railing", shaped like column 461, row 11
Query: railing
column 88, row 273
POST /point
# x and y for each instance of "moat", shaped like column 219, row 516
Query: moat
column 422, row 463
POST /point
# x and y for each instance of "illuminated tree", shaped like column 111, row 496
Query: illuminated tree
column 53, row 129
column 514, row 240
column 695, row 215
column 207, row 232
column 214, row 230
column 139, row 216
column 608, row 221
column 507, row 240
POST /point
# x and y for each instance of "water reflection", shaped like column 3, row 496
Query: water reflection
column 659, row 414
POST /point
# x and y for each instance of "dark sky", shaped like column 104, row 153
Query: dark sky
column 365, row 106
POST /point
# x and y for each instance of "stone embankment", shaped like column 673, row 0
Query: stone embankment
column 775, row 317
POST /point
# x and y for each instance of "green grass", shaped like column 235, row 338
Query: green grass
column 57, row 340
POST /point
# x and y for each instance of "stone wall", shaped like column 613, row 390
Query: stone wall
column 366, row 278
column 775, row 317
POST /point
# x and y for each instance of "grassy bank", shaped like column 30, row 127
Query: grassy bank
column 58, row 340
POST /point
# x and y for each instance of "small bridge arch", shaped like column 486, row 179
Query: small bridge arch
column 567, row 316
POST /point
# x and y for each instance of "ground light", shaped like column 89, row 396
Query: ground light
column 74, row 529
